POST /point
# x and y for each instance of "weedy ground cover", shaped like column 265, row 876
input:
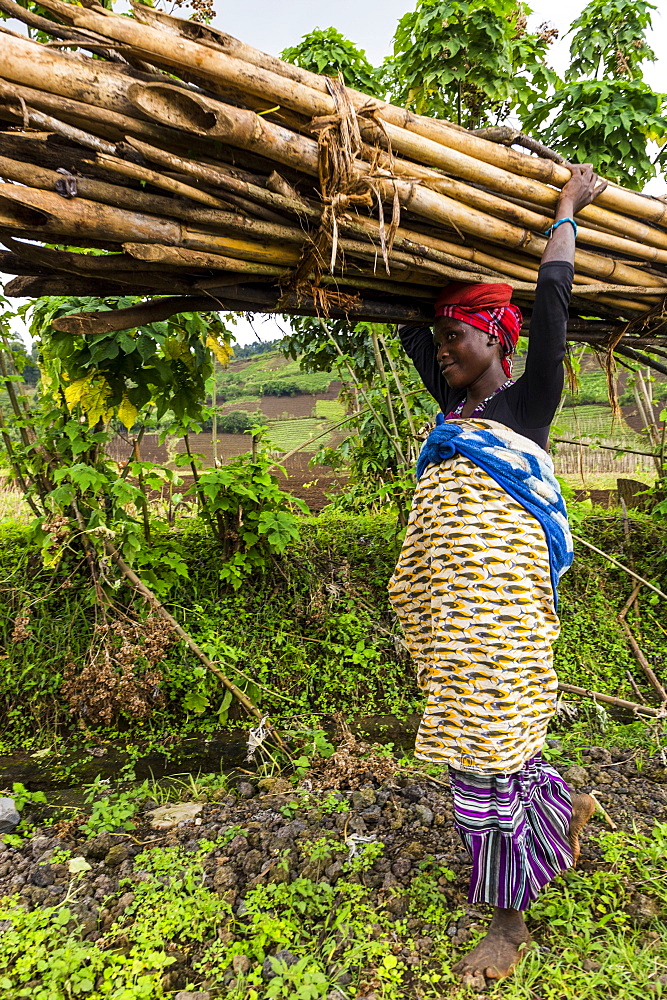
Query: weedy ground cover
column 325, row 640
column 253, row 908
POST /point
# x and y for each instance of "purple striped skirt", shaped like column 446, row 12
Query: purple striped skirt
column 515, row 827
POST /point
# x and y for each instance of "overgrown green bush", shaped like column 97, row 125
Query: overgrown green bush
column 280, row 387
column 238, row 421
column 315, row 628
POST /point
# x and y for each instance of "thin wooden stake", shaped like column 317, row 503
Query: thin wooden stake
column 160, row 609
column 636, row 576
column 607, row 699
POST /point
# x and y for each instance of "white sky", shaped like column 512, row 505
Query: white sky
column 272, row 26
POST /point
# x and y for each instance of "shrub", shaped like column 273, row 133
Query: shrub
column 278, row 387
column 238, row 421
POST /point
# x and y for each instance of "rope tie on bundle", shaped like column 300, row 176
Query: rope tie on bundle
column 340, row 147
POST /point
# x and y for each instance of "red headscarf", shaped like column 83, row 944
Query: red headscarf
column 486, row 307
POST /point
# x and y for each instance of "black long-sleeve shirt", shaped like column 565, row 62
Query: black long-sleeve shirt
column 529, row 404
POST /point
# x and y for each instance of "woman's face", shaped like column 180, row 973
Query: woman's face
column 464, row 353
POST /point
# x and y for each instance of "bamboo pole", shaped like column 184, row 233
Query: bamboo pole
column 207, row 117
column 445, row 210
column 425, row 246
column 307, row 95
column 161, row 48
column 124, row 197
column 82, row 38
column 442, row 132
column 499, row 180
column 40, row 120
column 269, row 252
column 245, row 297
column 93, row 82
column 510, row 212
column 120, row 196
column 240, row 127
column 191, row 259
column 55, row 215
column 50, row 214
column 614, row 201
column 480, row 218
column 479, row 261
column 109, row 123
column 260, row 251
column 146, row 176
column 86, row 285
column 215, row 176
column 212, row 118
column 646, row 242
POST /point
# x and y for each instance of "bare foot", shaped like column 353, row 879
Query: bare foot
column 500, row 951
column 583, row 807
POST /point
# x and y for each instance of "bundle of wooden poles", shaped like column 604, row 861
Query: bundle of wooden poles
column 218, row 177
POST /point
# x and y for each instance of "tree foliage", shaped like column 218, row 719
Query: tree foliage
column 164, row 364
column 608, row 40
column 386, row 401
column 59, row 450
column 326, row 50
column 607, row 123
column 476, row 62
column 468, row 61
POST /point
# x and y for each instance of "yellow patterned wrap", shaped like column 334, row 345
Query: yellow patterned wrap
column 472, row 590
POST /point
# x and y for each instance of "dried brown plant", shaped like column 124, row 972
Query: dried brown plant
column 120, row 675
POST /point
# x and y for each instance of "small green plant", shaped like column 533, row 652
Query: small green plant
column 248, row 513
column 321, row 851
column 23, row 797
column 59, row 857
column 364, row 857
column 112, row 810
column 334, row 802
column 290, row 809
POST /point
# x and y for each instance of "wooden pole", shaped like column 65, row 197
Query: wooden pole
column 162, row 48
column 607, row 699
column 443, row 132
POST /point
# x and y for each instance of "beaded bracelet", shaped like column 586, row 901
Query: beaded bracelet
column 549, row 232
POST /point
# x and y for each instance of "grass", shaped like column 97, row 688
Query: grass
column 250, row 374
column 13, row 507
column 288, row 434
column 587, row 945
column 241, row 402
column 592, row 387
column 329, row 409
column 605, row 480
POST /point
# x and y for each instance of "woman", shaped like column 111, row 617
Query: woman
column 475, row 586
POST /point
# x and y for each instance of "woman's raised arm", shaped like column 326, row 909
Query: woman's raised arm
column 581, row 189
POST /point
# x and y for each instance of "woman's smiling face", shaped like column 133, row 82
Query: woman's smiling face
column 464, row 353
